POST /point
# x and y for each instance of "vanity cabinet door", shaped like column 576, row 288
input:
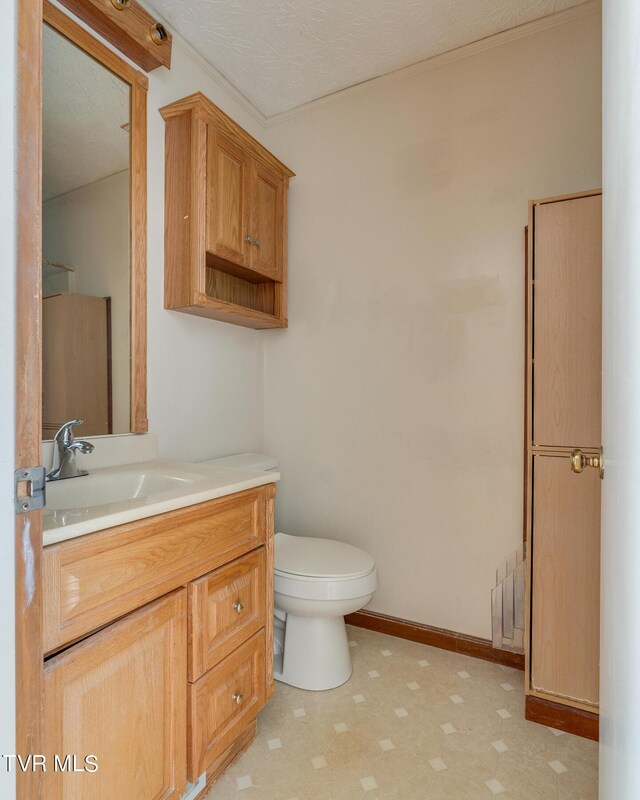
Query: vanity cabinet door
column 228, row 175
column 120, row 696
column 267, row 210
column 224, row 702
column 226, row 607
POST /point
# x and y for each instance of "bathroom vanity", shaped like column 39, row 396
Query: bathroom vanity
column 158, row 636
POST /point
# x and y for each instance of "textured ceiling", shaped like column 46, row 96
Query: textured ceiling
column 83, row 107
column 283, row 53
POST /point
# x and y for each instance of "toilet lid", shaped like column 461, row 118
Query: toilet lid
column 320, row 558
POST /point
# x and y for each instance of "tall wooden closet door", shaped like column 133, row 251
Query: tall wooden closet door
column 567, row 370
column 76, row 368
column 566, row 580
column 563, row 511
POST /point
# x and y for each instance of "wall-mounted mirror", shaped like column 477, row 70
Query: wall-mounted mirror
column 93, row 238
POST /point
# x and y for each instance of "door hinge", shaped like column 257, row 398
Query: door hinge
column 30, row 489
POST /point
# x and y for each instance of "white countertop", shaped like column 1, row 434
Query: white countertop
column 116, row 495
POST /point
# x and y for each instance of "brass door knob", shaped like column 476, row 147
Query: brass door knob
column 238, row 606
column 579, row 461
column 237, row 698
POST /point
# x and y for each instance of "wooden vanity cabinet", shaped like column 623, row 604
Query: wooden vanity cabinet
column 225, row 219
column 120, row 696
column 177, row 659
column 92, row 580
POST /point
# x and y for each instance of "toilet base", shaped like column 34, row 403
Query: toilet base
column 316, row 653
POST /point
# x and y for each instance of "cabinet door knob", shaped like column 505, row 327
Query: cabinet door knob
column 237, row 698
column 257, row 242
column 238, row 606
column 248, row 239
column 579, row 461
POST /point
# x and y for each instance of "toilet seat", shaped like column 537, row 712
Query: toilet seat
column 322, row 569
column 320, row 559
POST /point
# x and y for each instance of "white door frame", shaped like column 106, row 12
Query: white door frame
column 620, row 603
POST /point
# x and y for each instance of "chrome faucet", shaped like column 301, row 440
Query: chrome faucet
column 65, row 448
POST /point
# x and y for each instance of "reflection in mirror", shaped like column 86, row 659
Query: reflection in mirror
column 86, row 242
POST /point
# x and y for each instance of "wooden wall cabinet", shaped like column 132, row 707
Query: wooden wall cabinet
column 177, row 659
column 225, row 219
column 563, row 416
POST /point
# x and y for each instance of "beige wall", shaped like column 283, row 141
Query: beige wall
column 205, row 377
column 394, row 401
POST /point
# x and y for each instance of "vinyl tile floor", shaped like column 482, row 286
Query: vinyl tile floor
column 412, row 723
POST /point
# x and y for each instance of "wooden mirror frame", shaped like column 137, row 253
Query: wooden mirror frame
column 138, row 84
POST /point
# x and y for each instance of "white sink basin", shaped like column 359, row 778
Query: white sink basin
column 103, row 487
column 116, row 495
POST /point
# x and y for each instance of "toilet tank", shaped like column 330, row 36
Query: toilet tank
column 258, row 461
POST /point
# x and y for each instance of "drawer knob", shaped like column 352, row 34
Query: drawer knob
column 237, row 698
column 238, row 606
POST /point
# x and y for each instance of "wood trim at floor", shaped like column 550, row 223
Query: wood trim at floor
column 435, row 637
column 564, row 718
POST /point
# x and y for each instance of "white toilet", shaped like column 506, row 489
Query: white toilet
column 316, row 582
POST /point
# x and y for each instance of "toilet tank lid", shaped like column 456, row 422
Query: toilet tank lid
column 259, row 461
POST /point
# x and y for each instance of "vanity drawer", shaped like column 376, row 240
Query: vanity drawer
column 223, row 702
column 94, row 579
column 226, row 607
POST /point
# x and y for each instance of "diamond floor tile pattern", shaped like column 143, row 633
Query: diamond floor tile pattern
column 412, row 723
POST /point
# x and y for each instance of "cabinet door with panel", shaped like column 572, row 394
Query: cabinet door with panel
column 224, row 701
column 120, row 695
column 267, row 209
column 565, row 631
column 228, row 176
column 567, row 323
column 226, row 607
